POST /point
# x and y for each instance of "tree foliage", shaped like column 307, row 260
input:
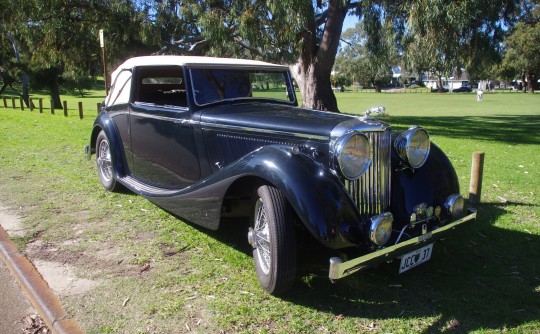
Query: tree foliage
column 442, row 36
column 369, row 66
column 522, row 57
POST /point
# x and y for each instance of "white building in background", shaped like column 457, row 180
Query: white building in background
column 451, row 83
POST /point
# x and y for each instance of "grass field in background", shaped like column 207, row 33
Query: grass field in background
column 485, row 278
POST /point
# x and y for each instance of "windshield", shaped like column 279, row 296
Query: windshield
column 215, row 85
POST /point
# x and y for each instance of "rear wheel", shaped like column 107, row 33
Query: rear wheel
column 105, row 164
column 273, row 240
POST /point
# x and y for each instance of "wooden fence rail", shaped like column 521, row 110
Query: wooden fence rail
column 40, row 106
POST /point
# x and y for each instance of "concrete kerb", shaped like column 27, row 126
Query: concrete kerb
column 36, row 288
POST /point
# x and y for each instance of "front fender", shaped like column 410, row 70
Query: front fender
column 430, row 184
column 315, row 193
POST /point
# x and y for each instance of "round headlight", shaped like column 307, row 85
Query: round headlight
column 454, row 205
column 353, row 153
column 381, row 228
column 412, row 146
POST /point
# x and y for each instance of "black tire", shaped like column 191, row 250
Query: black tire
column 105, row 163
column 273, row 240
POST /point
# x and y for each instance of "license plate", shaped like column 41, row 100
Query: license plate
column 414, row 258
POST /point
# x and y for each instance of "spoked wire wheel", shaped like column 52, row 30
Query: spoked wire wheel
column 273, row 240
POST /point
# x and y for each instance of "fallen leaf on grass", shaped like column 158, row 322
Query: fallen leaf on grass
column 502, row 199
column 144, row 268
column 452, row 324
column 372, row 327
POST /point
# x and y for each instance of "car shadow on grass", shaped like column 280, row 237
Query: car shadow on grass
column 481, row 277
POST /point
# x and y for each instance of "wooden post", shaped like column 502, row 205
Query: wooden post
column 13, row 104
column 476, row 177
column 5, row 101
column 41, row 105
column 98, row 107
column 30, row 105
column 22, row 103
column 52, row 107
column 65, row 109
column 80, row 110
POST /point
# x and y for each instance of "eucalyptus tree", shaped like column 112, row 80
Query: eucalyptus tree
column 367, row 65
column 522, row 57
column 304, row 34
column 442, row 36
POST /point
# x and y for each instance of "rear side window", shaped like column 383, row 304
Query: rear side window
column 120, row 89
column 161, row 86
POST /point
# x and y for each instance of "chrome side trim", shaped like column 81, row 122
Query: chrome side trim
column 265, row 131
column 340, row 269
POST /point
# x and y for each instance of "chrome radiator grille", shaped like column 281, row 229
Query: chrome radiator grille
column 371, row 192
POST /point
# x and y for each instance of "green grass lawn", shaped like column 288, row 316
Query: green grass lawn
column 484, row 279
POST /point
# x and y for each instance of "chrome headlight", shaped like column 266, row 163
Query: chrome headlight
column 454, row 205
column 412, row 146
column 380, row 229
column 353, row 154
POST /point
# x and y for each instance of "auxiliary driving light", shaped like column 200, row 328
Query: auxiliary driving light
column 381, row 228
column 454, row 205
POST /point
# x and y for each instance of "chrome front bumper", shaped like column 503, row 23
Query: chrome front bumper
column 339, row 269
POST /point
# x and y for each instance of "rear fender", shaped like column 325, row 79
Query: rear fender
column 104, row 123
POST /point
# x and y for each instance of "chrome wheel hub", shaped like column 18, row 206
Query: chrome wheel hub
column 104, row 161
column 259, row 238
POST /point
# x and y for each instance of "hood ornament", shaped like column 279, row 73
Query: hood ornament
column 377, row 110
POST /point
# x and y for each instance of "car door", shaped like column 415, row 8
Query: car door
column 162, row 143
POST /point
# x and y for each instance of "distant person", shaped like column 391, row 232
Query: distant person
column 479, row 95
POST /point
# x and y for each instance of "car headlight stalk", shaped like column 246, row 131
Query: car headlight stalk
column 412, row 146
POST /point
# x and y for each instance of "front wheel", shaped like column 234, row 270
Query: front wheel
column 105, row 163
column 273, row 240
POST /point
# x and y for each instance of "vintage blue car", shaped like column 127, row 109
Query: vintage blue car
column 209, row 139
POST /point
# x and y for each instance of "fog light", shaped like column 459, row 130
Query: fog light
column 437, row 211
column 381, row 228
column 454, row 205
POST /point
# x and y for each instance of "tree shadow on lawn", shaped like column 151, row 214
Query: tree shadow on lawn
column 481, row 277
column 514, row 129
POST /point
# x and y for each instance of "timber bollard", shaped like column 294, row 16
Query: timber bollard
column 5, row 101
column 13, row 104
column 477, row 169
column 98, row 107
column 80, row 110
column 22, row 103
column 40, row 105
column 30, row 105
column 52, row 107
column 65, row 108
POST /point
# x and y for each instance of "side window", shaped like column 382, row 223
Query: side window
column 120, row 89
column 161, row 86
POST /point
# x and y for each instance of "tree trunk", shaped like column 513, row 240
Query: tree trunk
column 523, row 85
column 314, row 67
column 25, row 95
column 439, row 84
column 55, row 90
column 530, row 82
